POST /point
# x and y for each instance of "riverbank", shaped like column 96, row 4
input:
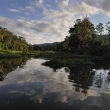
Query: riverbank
column 56, row 58
column 70, row 60
column 51, row 55
column 17, row 54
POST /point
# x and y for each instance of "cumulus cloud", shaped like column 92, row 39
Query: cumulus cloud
column 15, row 26
column 102, row 5
column 91, row 2
column 62, row 19
column 84, row 8
column 35, row 31
column 105, row 6
column 55, row 23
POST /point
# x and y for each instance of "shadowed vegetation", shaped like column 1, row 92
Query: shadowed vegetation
column 81, row 47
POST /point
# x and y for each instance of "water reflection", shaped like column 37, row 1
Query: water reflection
column 82, row 77
column 102, row 79
column 2, row 75
column 38, row 87
column 8, row 65
column 85, row 77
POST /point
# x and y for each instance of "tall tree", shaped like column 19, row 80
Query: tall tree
column 100, row 29
column 81, row 32
column 108, row 28
column 87, row 29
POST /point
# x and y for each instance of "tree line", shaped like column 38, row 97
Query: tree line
column 82, row 39
column 10, row 41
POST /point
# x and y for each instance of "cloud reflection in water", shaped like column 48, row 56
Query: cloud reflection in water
column 41, row 83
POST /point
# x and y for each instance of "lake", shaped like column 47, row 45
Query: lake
column 28, row 85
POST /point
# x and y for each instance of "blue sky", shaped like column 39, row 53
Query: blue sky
column 46, row 21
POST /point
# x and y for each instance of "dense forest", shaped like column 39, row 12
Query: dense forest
column 10, row 41
column 85, row 45
column 84, row 38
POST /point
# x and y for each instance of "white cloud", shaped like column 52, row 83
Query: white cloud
column 13, row 10
column 34, row 77
column 34, row 73
column 64, row 3
column 62, row 19
column 30, row 8
column 23, row 10
column 54, row 24
column 102, row 5
column 91, row 2
column 85, row 8
column 34, row 31
column 37, row 3
column 105, row 6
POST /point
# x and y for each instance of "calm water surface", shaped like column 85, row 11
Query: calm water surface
column 27, row 84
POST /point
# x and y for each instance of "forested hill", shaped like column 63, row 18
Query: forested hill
column 45, row 46
column 49, row 44
column 10, row 41
column 105, row 36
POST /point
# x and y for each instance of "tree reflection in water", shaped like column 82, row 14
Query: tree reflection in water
column 2, row 75
column 41, row 88
column 8, row 65
column 82, row 78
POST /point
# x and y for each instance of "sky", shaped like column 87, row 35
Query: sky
column 47, row 21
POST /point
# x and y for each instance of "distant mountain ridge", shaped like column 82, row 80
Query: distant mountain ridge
column 47, row 44
column 103, row 37
column 55, row 43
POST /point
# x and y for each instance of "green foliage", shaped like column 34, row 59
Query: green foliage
column 9, row 41
column 82, row 39
column 80, row 34
column 108, row 28
column 64, row 46
column 59, row 62
column 100, row 29
column 10, row 54
column 8, row 65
